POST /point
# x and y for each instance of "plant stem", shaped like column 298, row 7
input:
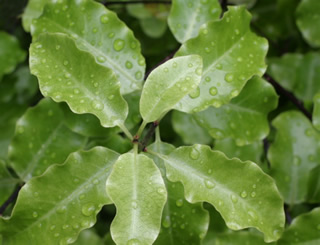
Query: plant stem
column 158, row 138
column 10, row 199
column 149, row 134
column 136, row 2
column 125, row 131
column 140, row 130
column 281, row 90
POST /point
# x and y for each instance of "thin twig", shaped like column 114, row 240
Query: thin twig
column 281, row 90
column 136, row 2
column 224, row 4
column 150, row 133
column 10, row 200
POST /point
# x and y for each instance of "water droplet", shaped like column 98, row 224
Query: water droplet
column 296, row 160
column 209, row 184
column 213, row 91
column 94, row 30
column 35, row 214
column 88, row 209
column 161, row 190
column 138, row 75
column 104, row 19
column 134, row 205
column 207, row 49
column 234, row 198
column 133, row 242
column 276, row 233
column 228, row 77
column 182, row 226
column 252, row 215
column 199, row 71
column 65, row 226
column 210, row 171
column 67, row 75
column 190, row 65
column 194, row 154
column 237, row 31
column 95, row 181
column 111, row 35
column 62, row 210
column 65, row 62
column 179, row 203
column 205, row 31
column 141, row 61
column 101, row 59
column 195, row 93
column 58, row 47
column 239, row 59
column 253, row 194
column 244, row 194
column 234, row 93
column 219, row 66
column 56, row 234
column 97, row 105
column 128, row 65
column 240, row 142
column 118, row 45
column 309, row 132
column 166, row 223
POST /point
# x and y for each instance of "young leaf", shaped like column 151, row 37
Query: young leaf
column 186, row 17
column 55, row 207
column 308, row 20
column 297, row 73
column 134, row 117
column 10, row 53
column 182, row 222
column 136, row 187
column 293, row 154
column 168, row 84
column 7, row 183
column 243, row 194
column 99, row 32
column 316, row 111
column 305, row 229
column 68, row 74
column 313, row 194
column 32, row 11
column 231, row 54
column 38, row 138
column 244, row 119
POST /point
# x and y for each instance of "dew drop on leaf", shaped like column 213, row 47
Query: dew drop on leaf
column 128, row 65
column 179, row 203
column 35, row 214
column 234, row 198
column 166, row 223
column 134, row 205
column 209, row 184
column 118, row 44
column 244, row 194
column 195, row 93
column 229, row 77
column 194, row 154
column 97, row 105
column 101, row 59
column 133, row 242
column 104, row 19
column 88, row 209
column 213, row 91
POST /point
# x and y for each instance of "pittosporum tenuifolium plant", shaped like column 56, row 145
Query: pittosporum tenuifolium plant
column 160, row 122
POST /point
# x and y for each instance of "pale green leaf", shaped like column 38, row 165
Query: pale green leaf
column 7, row 183
column 134, row 117
column 88, row 237
column 153, row 27
column 313, row 194
column 136, row 187
column 231, row 54
column 168, row 84
column 244, row 119
column 308, row 21
column 297, row 73
column 182, row 222
column 68, row 74
column 188, row 129
column 41, row 139
column 10, row 53
column 316, row 111
column 114, row 142
column 304, row 230
column 243, row 194
column 55, row 207
column 293, row 154
column 100, row 32
column 186, row 17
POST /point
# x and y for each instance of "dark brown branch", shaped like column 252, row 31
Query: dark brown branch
column 224, row 4
column 136, row 2
column 150, row 133
column 10, row 200
column 282, row 91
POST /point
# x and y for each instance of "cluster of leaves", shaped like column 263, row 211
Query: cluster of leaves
column 81, row 158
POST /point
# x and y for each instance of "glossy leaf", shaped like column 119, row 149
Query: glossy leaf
column 293, row 154
column 316, row 111
column 7, row 183
column 38, row 140
column 99, row 32
column 241, row 238
column 231, row 54
column 182, row 222
column 32, row 11
column 168, row 84
column 68, row 74
column 188, row 129
column 240, row 191
column 186, row 17
column 308, row 20
column 305, row 229
column 10, row 53
column 134, row 117
column 136, row 188
column 313, row 194
column 297, row 73
column 244, row 119
column 65, row 200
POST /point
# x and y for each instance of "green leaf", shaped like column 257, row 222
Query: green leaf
column 153, row 27
column 86, row 86
column 100, row 32
column 316, row 111
column 41, row 139
column 168, row 84
column 56, row 206
column 231, row 54
column 7, row 183
column 252, row 152
column 293, row 154
column 188, row 129
column 297, row 73
column 243, row 194
column 182, row 222
column 87, row 237
column 308, row 20
column 114, row 142
column 313, row 194
column 134, row 117
column 244, row 119
column 186, row 17
column 10, row 53
column 136, row 187
column 32, row 11
column 305, row 229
